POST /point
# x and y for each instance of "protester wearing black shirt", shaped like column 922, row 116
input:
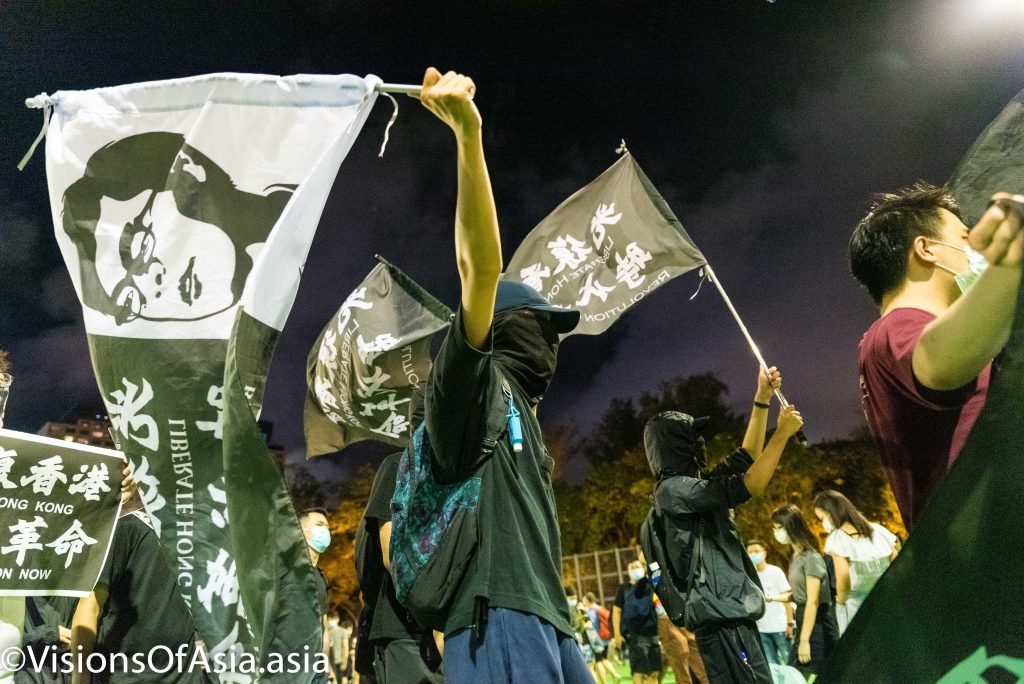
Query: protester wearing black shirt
column 46, row 632
column 135, row 607
column 317, row 532
column 725, row 596
column 509, row 620
column 635, row 621
column 395, row 636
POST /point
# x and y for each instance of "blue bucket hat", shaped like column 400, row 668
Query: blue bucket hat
column 512, row 296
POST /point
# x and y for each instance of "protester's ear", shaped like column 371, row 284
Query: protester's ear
column 922, row 249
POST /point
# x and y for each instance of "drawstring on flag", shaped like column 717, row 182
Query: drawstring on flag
column 391, row 122
column 703, row 277
column 44, row 102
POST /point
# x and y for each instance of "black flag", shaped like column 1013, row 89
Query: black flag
column 605, row 248
column 949, row 609
column 994, row 163
column 363, row 370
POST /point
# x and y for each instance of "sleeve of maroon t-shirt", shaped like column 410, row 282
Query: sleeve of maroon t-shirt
column 900, row 330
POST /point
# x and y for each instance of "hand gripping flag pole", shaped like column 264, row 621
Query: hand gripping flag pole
column 800, row 436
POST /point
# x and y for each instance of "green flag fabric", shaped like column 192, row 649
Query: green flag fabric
column 369, row 360
column 949, row 609
column 184, row 210
column 605, row 248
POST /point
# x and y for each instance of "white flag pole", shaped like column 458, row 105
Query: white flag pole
column 404, row 89
column 750, row 340
column 398, row 88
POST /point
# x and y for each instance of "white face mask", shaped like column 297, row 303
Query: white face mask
column 826, row 522
column 781, row 536
column 976, row 266
column 636, row 574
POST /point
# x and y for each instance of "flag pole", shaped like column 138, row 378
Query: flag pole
column 800, row 436
column 398, row 88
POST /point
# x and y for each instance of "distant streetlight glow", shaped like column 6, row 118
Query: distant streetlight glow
column 992, row 13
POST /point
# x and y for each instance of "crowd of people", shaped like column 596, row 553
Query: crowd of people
column 806, row 607
column 742, row 615
column 503, row 614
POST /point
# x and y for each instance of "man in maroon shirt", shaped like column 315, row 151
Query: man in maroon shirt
column 925, row 363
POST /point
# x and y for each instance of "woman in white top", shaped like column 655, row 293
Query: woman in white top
column 860, row 551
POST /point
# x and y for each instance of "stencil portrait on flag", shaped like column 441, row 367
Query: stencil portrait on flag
column 184, row 210
column 163, row 233
column 58, row 504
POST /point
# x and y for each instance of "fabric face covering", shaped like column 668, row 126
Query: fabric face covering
column 526, row 349
column 674, row 446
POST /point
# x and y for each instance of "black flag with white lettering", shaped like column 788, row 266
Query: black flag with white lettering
column 58, row 504
column 605, row 248
column 369, row 360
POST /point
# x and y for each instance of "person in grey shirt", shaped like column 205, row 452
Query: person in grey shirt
column 816, row 628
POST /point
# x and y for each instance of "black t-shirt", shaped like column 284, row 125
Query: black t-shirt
column 642, row 591
column 388, row 612
column 144, row 608
column 321, row 590
column 518, row 563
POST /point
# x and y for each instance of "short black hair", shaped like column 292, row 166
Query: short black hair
column 570, row 591
column 882, row 240
column 313, row 509
column 751, row 542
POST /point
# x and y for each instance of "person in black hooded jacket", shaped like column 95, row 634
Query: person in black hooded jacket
column 694, row 506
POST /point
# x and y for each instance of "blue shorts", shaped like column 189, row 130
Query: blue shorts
column 517, row 648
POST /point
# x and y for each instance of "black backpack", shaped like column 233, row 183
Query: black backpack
column 433, row 524
column 671, row 590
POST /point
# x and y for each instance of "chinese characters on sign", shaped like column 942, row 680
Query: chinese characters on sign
column 58, row 506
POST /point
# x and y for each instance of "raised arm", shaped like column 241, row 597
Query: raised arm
column 477, row 240
column 955, row 347
column 760, row 474
column 753, row 440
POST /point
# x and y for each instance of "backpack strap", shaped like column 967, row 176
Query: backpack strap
column 497, row 416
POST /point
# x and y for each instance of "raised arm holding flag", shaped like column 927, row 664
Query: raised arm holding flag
column 505, row 612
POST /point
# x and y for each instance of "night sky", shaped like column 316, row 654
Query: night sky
column 766, row 126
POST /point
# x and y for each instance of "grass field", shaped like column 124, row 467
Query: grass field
column 624, row 676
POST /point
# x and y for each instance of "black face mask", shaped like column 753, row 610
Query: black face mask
column 526, row 348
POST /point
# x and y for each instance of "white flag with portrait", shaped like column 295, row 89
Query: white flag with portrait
column 184, row 210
